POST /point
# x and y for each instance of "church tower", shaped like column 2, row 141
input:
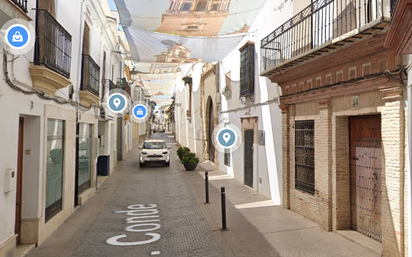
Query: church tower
column 194, row 17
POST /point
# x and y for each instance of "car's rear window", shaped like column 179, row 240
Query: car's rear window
column 154, row 145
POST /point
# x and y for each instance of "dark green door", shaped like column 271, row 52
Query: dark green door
column 249, row 157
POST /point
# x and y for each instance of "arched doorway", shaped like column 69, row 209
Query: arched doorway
column 210, row 127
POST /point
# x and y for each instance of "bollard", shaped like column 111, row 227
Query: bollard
column 207, row 186
column 223, row 197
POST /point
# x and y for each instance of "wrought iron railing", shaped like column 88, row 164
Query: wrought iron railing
column 394, row 4
column 53, row 44
column 317, row 24
column 90, row 75
column 22, row 4
column 107, row 86
column 122, row 83
column 111, row 85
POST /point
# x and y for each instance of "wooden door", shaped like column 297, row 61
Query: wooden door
column 19, row 186
column 365, row 161
column 248, row 158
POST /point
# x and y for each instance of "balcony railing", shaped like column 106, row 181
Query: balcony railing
column 53, row 44
column 90, row 75
column 317, row 24
column 107, row 86
column 22, row 4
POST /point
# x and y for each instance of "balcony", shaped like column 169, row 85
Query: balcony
column 22, row 4
column 89, row 93
column 321, row 27
column 52, row 58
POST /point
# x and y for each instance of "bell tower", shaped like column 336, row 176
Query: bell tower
column 194, row 17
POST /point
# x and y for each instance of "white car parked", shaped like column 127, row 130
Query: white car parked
column 154, row 151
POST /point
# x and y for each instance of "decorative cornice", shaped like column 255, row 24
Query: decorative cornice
column 360, row 86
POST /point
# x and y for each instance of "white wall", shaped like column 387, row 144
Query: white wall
column 14, row 104
column 268, row 157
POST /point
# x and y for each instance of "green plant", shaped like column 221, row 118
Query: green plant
column 190, row 158
column 181, row 151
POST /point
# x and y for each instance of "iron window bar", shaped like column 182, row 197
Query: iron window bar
column 53, row 44
column 247, row 70
column 315, row 25
column 90, row 75
column 22, row 4
column 305, row 156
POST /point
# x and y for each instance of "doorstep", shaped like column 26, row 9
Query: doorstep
column 23, row 249
column 361, row 240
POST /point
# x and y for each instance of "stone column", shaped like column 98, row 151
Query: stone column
column 285, row 156
column 323, row 163
column 393, row 172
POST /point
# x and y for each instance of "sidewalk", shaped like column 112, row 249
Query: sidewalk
column 258, row 228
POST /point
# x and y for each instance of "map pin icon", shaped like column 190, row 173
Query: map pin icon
column 116, row 102
column 226, row 137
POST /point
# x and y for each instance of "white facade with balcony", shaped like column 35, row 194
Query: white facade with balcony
column 218, row 90
column 45, row 102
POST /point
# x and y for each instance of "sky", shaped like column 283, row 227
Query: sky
column 112, row 5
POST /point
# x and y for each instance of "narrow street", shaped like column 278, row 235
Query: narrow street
column 174, row 202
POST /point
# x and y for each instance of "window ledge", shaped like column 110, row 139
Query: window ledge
column 47, row 80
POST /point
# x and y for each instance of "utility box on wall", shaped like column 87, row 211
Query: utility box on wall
column 10, row 180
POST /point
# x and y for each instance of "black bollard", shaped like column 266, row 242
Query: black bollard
column 223, row 196
column 207, row 186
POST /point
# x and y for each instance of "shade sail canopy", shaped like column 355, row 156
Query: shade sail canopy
column 185, row 31
column 165, row 36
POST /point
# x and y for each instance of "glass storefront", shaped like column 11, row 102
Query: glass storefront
column 84, row 156
column 54, row 167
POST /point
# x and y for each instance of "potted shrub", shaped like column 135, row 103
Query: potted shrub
column 181, row 151
column 190, row 161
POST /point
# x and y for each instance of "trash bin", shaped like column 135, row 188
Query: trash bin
column 103, row 165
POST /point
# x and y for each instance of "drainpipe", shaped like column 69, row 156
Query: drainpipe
column 409, row 162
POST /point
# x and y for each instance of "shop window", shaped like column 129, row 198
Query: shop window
column 305, row 156
column 247, row 69
column 84, row 156
column 54, row 167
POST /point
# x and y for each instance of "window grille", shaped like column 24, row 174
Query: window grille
column 305, row 156
column 247, row 69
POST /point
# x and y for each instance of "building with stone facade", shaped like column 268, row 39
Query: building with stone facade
column 194, row 17
column 344, row 119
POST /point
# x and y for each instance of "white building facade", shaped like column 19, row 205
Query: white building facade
column 228, row 98
column 50, row 100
